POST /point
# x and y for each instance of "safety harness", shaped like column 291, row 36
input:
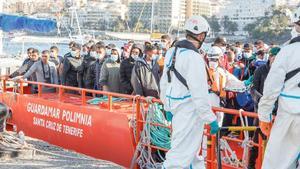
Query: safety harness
column 293, row 73
column 174, row 70
column 211, row 80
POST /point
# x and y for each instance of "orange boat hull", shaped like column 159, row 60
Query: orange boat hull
column 87, row 129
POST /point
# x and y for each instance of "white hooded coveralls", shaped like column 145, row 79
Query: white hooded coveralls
column 190, row 108
column 283, row 147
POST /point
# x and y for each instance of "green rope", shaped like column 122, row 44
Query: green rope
column 160, row 136
column 97, row 100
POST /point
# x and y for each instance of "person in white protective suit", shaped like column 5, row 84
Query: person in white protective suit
column 283, row 82
column 184, row 92
column 221, row 81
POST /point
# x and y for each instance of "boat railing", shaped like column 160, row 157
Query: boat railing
column 140, row 123
column 60, row 90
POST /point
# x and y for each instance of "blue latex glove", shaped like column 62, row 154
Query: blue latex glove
column 249, row 81
column 214, row 127
column 169, row 116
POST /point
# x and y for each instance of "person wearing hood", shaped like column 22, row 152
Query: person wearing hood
column 221, row 81
column 101, row 57
column 110, row 72
column 127, row 66
column 71, row 66
column 282, row 84
column 145, row 74
column 184, row 93
column 221, row 42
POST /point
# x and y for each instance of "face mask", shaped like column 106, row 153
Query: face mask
column 114, row 57
column 101, row 56
column 163, row 45
column 108, row 51
column 84, row 53
column 247, row 55
column 51, row 54
column 223, row 49
column 155, row 57
column 73, row 53
column 135, row 57
column 238, row 51
column 93, row 54
column 213, row 65
column 294, row 33
column 254, row 49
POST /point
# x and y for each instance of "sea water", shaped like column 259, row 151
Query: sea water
column 17, row 48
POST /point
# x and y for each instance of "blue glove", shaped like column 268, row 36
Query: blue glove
column 169, row 116
column 249, row 81
column 214, row 127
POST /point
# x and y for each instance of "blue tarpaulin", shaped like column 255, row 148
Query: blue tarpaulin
column 10, row 23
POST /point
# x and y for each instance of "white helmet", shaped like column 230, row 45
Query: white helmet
column 296, row 16
column 197, row 25
column 214, row 52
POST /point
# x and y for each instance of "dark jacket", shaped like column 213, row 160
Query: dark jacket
column 125, row 75
column 259, row 79
column 71, row 66
column 145, row 78
column 25, row 61
column 87, row 73
column 98, row 68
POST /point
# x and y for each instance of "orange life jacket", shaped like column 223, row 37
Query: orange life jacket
column 214, row 83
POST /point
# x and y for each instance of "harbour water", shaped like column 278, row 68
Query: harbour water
column 17, row 48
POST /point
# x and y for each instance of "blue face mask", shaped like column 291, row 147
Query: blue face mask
column 84, row 53
column 135, row 57
column 155, row 57
column 73, row 53
column 114, row 57
column 93, row 54
column 163, row 45
column 247, row 55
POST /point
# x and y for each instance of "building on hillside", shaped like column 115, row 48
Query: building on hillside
column 216, row 7
column 198, row 7
column 244, row 13
column 171, row 15
column 141, row 11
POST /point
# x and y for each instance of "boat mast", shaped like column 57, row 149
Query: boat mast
column 152, row 17
column 1, row 32
column 74, row 14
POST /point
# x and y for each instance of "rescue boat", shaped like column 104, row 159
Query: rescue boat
column 113, row 130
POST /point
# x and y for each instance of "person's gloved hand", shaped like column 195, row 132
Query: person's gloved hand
column 214, row 127
column 248, row 81
column 169, row 116
column 265, row 128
